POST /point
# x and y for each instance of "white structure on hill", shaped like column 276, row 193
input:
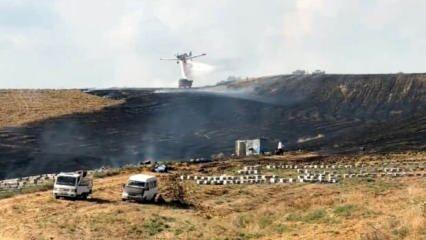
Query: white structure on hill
column 249, row 147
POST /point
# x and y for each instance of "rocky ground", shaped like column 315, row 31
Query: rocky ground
column 356, row 208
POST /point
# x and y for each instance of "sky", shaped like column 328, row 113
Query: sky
column 118, row 43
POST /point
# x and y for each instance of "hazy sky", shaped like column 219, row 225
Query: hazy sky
column 100, row 43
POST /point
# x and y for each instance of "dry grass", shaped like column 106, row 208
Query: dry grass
column 18, row 107
column 353, row 209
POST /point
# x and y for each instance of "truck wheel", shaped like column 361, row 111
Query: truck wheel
column 56, row 196
column 84, row 196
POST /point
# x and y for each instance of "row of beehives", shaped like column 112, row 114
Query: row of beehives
column 257, row 179
column 307, row 177
column 395, row 167
column 369, row 174
column 412, row 171
column 362, row 171
column 250, row 174
column 18, row 183
column 311, row 178
column 22, row 182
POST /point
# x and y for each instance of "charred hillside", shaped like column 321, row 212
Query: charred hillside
column 333, row 113
column 379, row 96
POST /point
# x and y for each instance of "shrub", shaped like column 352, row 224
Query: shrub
column 346, row 210
column 155, row 225
column 281, row 228
column 265, row 221
column 315, row 215
column 401, row 232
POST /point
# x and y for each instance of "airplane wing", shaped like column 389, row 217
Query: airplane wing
column 171, row 59
column 197, row 56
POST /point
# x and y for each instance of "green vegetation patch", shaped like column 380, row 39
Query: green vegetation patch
column 187, row 227
column 401, row 232
column 316, row 216
column 156, row 224
column 281, row 228
column 244, row 236
column 27, row 189
column 266, row 220
column 347, row 210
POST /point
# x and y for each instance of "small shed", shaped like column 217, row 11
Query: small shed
column 249, row 147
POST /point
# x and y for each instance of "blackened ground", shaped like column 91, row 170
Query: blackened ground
column 336, row 117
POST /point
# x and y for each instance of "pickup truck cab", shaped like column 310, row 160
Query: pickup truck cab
column 140, row 187
column 72, row 185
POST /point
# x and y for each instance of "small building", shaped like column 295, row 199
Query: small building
column 249, row 147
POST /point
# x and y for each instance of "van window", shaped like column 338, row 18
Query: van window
column 84, row 182
column 136, row 184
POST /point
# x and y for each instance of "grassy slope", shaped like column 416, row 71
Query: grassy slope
column 19, row 107
column 383, row 209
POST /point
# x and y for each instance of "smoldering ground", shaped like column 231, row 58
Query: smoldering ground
column 177, row 125
column 162, row 126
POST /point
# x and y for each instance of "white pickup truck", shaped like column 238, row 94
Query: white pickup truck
column 72, row 185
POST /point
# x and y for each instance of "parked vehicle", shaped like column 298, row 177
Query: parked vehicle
column 160, row 168
column 72, row 185
column 140, row 187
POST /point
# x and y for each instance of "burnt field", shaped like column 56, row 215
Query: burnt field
column 148, row 125
column 331, row 113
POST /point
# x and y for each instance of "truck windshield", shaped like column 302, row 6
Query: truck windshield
column 68, row 181
column 136, row 184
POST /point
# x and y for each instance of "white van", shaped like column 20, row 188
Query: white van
column 140, row 187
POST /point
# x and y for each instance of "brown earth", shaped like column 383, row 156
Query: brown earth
column 353, row 209
column 18, row 107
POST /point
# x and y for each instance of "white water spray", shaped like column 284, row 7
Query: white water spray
column 198, row 69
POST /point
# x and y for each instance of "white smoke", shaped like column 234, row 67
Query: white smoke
column 198, row 69
column 307, row 139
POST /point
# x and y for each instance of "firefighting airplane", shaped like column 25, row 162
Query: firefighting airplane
column 183, row 57
column 185, row 67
